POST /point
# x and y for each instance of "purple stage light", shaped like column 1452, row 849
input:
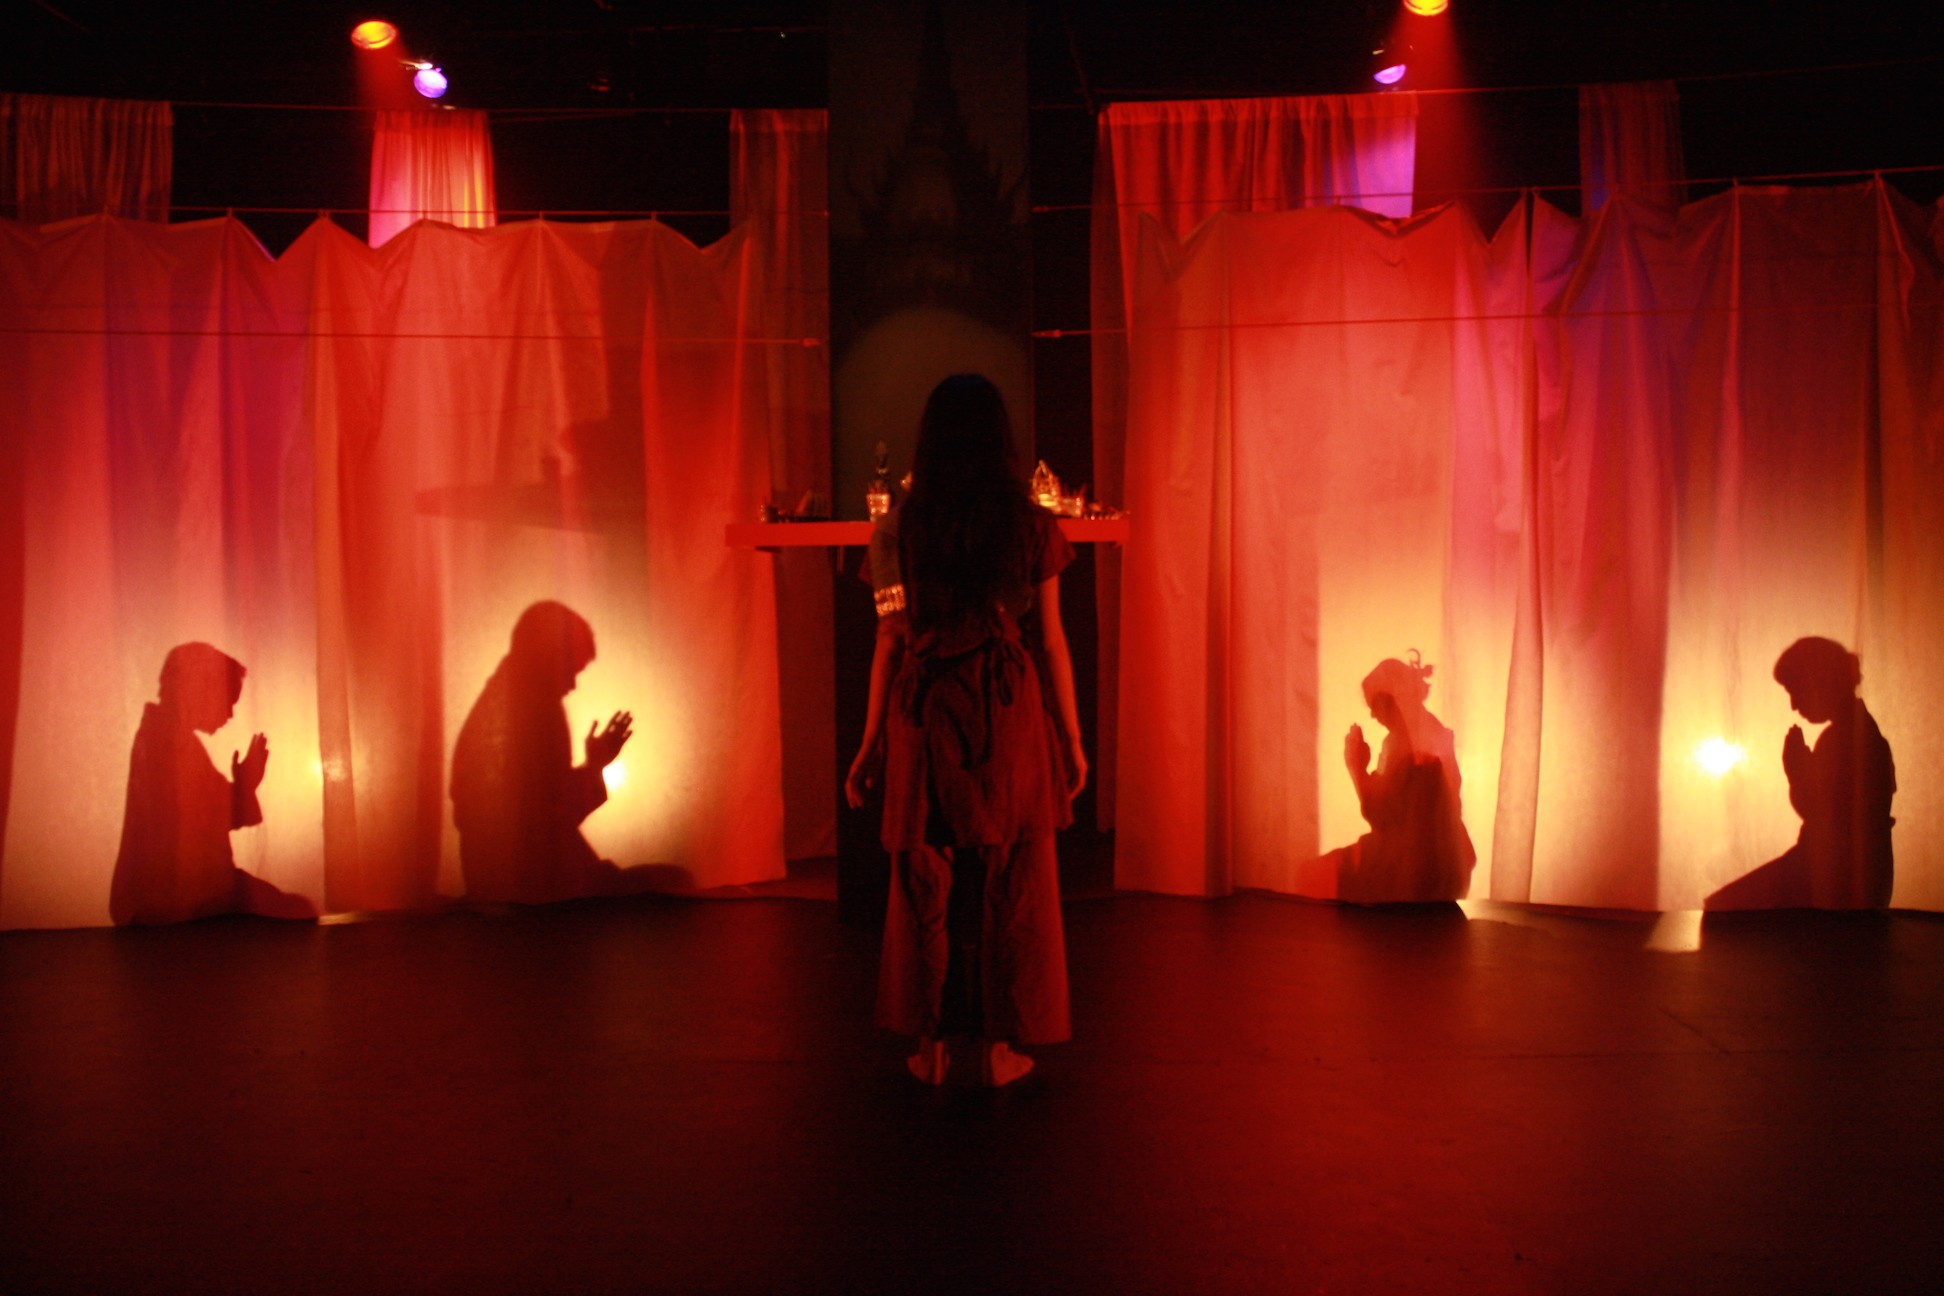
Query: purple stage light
column 429, row 81
column 1390, row 75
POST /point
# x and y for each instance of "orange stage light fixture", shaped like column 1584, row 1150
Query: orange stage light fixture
column 375, row 34
column 1427, row 8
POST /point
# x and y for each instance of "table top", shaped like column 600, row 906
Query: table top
column 792, row 535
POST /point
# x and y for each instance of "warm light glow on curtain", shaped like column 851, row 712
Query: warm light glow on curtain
column 352, row 471
column 1600, row 474
column 1630, row 143
column 62, row 157
column 1177, row 164
column 431, row 164
column 778, row 190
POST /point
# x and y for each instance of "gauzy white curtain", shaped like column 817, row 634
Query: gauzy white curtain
column 1176, row 164
column 1599, row 471
column 778, row 191
column 62, row 157
column 431, row 164
column 1630, row 143
column 352, row 470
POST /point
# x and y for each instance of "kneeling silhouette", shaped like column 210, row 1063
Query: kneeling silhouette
column 175, row 861
column 518, row 799
column 1841, row 787
column 1417, row 849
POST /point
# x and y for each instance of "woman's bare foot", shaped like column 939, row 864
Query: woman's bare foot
column 1002, row 1066
column 930, row 1062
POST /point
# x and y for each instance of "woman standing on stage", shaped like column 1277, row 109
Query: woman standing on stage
column 979, row 771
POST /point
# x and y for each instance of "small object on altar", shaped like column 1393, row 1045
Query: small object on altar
column 1074, row 505
column 813, row 507
column 1046, row 488
column 1097, row 511
column 768, row 513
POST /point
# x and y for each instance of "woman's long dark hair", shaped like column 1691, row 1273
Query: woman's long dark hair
column 963, row 532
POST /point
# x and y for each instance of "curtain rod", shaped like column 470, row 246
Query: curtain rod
column 1693, row 79
column 504, row 213
column 1230, row 203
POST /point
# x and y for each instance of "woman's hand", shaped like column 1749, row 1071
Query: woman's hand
column 1795, row 753
column 1356, row 752
column 863, row 773
column 246, row 771
column 605, row 745
column 1076, row 764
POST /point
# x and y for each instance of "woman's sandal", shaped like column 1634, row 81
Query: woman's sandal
column 1000, row 1066
column 930, row 1063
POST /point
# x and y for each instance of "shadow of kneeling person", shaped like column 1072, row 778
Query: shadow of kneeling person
column 1417, row 851
column 518, row 799
column 1842, row 788
column 175, row 861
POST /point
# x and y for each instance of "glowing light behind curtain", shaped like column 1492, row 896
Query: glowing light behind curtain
column 431, row 164
column 779, row 189
column 1630, row 143
column 1731, row 440
column 1178, row 164
column 62, row 157
column 352, row 471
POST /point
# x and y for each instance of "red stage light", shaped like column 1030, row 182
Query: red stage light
column 1427, row 8
column 374, row 34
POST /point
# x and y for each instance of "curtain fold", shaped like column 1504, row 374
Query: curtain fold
column 62, row 157
column 352, row 471
column 431, row 164
column 1359, row 151
column 1600, row 472
column 1177, row 164
column 778, row 191
column 1630, row 143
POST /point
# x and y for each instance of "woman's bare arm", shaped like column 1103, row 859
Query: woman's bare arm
column 863, row 770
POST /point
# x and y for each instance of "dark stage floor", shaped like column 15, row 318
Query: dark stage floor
column 686, row 1096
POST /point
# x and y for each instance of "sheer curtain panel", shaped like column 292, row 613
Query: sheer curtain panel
column 778, row 191
column 1598, row 472
column 1630, row 143
column 352, row 470
column 1176, row 164
column 431, row 164
column 62, row 157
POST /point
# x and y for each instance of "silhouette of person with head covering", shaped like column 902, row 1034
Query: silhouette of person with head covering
column 175, row 861
column 517, row 796
column 1417, row 848
column 1841, row 787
